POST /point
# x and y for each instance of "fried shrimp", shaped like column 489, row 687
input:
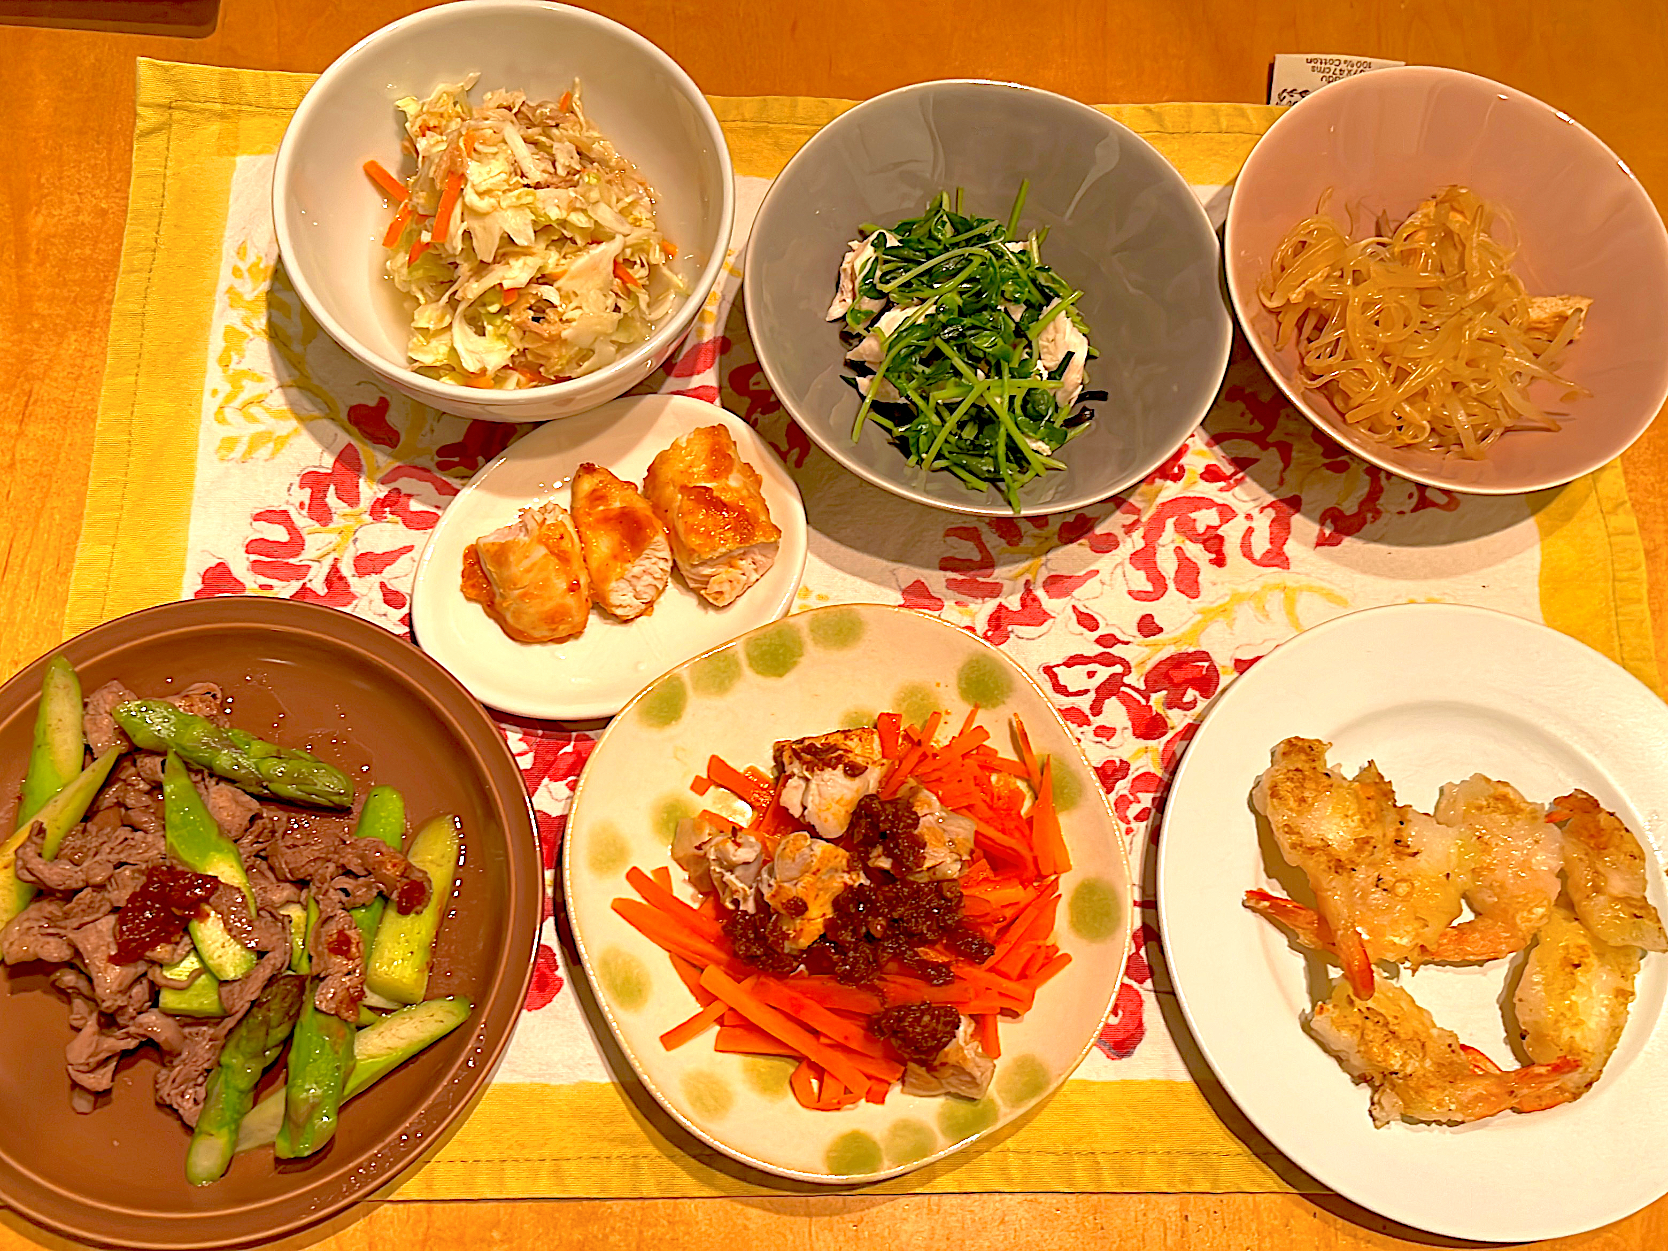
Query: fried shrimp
column 1573, row 999
column 1417, row 1069
column 1387, row 879
column 1513, row 862
column 1604, row 867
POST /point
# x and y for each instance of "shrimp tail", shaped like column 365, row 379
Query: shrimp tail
column 1358, row 965
column 1480, row 1063
column 1481, row 938
column 1307, row 925
column 1542, row 1086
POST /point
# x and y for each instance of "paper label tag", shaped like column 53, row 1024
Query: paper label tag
column 1299, row 74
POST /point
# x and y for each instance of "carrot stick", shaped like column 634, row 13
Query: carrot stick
column 877, row 1092
column 833, row 1058
column 967, row 724
column 662, row 876
column 1047, row 971
column 889, row 725
column 391, row 186
column 757, row 796
column 396, row 228
column 1052, row 856
column 701, row 785
column 417, row 249
column 626, row 277
column 693, row 1027
column 666, row 933
column 749, row 1040
column 662, row 898
column 989, row 1040
column 689, row 974
column 448, row 202
column 565, row 103
column 804, row 1085
column 1032, row 773
column 848, row 1034
column 836, row 996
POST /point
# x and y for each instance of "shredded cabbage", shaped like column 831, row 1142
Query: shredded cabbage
column 1421, row 335
column 550, row 264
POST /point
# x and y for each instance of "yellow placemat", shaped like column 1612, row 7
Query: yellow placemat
column 238, row 450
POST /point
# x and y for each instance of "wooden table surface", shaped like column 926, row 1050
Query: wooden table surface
column 67, row 119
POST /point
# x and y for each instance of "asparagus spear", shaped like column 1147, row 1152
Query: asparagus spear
column 197, row 842
column 301, row 921
column 230, row 1093
column 201, row 998
column 377, row 1050
column 59, row 816
column 321, row 1057
column 398, row 968
column 258, row 767
column 382, row 818
column 59, row 746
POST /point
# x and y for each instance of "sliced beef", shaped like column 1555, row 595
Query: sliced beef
column 58, row 876
column 90, row 854
column 90, row 904
column 338, row 952
column 37, row 933
column 73, row 982
column 202, row 699
column 306, row 853
column 95, row 1052
column 230, row 807
column 270, row 893
column 95, row 944
column 399, row 879
column 96, row 722
column 149, row 765
column 180, row 1082
column 266, row 826
column 237, row 996
column 233, row 907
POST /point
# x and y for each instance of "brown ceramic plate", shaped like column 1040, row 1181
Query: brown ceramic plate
column 370, row 702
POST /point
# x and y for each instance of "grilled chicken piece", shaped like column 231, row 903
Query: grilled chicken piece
column 625, row 547
column 533, row 582
column 827, row 774
column 710, row 502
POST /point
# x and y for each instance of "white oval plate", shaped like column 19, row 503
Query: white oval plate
column 813, row 672
column 595, row 674
column 1433, row 693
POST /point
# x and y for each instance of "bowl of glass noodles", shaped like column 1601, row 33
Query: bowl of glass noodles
column 509, row 209
column 1452, row 279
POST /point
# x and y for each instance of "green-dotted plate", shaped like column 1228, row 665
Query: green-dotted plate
column 808, row 674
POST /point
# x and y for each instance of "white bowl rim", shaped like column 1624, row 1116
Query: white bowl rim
column 841, row 454
column 1301, row 402
column 442, row 393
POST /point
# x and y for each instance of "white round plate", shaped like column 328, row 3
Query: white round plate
column 596, row 673
column 1433, row 693
column 809, row 674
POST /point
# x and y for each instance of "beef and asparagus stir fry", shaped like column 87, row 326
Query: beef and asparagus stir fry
column 200, row 892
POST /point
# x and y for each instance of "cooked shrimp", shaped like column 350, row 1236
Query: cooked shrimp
column 1419, row 1070
column 1572, row 999
column 1387, row 879
column 1605, row 869
column 1514, row 858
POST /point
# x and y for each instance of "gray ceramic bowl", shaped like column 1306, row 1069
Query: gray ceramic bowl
column 1122, row 225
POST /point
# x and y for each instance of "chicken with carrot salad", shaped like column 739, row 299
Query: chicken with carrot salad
column 885, row 903
column 529, row 245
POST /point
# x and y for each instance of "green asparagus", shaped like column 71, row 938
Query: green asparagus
column 398, row 967
column 201, row 998
column 59, row 816
column 377, row 1050
column 195, row 841
column 301, row 924
column 59, row 747
column 382, row 818
column 231, row 1087
column 258, row 767
column 321, row 1058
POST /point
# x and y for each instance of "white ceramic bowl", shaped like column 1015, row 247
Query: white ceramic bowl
column 330, row 219
column 1386, row 140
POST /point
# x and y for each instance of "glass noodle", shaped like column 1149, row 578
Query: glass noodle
column 1420, row 335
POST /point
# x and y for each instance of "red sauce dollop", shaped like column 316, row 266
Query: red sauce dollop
column 157, row 913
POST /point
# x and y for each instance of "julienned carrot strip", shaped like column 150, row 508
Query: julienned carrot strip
column 968, row 720
column 709, row 907
column 1033, row 774
column 1014, row 768
column 662, row 898
column 757, row 796
column 391, row 186
column 689, row 973
column 693, row 1027
column 448, row 202
column 779, row 994
column 835, row 1094
column 889, row 725
column 625, row 276
column 877, row 1092
column 836, row 996
column 1052, row 856
column 732, row 1018
column 701, row 784
column 665, row 932
column 417, row 249
column 662, row 876
column 804, row 1085
column 1047, row 971
column 749, row 1040
column 719, row 821
column 990, row 1041
column 833, row 1058
column 1017, row 930
column 565, row 102
column 396, row 228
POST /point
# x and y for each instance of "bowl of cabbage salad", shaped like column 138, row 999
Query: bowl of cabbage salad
column 505, row 210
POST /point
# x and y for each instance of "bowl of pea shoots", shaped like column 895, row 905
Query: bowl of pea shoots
column 987, row 298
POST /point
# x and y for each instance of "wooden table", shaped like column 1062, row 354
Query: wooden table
column 67, row 121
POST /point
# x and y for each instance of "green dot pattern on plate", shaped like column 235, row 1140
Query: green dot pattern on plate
column 624, row 979
column 1093, row 910
column 983, row 681
column 665, row 702
column 606, row 850
column 917, row 701
column 959, row 1118
column 773, row 653
column 1067, row 786
column 1021, row 1079
column 853, row 718
column 768, row 1075
column 668, row 812
column 853, row 1153
column 708, row 1094
column 715, row 674
column 908, row 1141
column 837, row 628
